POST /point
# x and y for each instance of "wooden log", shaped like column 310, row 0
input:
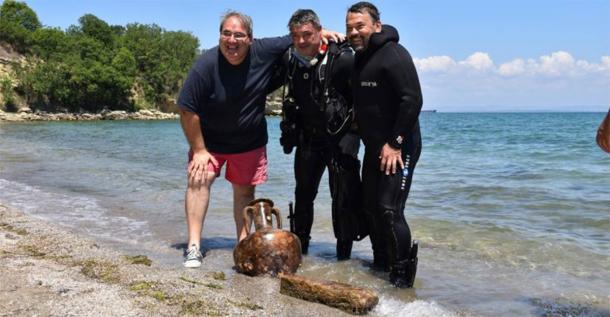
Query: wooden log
column 352, row 299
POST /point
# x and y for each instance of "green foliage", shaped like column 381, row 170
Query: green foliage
column 20, row 14
column 49, row 43
column 89, row 50
column 81, row 84
column 96, row 29
column 162, row 58
column 118, row 30
column 93, row 65
column 124, row 62
column 14, row 35
column 179, row 50
column 45, row 85
column 6, row 87
column 17, row 22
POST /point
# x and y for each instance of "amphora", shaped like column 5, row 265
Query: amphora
column 268, row 250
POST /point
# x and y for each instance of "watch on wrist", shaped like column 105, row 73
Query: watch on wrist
column 396, row 143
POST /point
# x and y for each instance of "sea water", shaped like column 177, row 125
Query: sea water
column 512, row 210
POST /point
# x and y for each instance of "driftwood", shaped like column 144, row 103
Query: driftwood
column 346, row 297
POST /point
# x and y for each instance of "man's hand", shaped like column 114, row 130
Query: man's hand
column 390, row 158
column 332, row 36
column 199, row 165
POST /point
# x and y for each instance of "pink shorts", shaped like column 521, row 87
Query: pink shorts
column 247, row 168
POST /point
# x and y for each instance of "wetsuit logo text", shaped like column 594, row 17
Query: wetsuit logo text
column 368, row 84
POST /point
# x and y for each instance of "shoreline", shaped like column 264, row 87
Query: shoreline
column 28, row 116
column 47, row 270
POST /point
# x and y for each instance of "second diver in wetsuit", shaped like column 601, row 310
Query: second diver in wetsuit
column 317, row 119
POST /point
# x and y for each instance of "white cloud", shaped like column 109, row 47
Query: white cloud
column 603, row 67
column 551, row 81
column 479, row 61
column 435, row 64
column 557, row 64
column 586, row 66
column 516, row 67
column 606, row 62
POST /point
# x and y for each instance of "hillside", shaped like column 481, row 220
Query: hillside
column 8, row 57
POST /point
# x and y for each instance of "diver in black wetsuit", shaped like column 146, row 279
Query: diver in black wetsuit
column 317, row 120
column 387, row 101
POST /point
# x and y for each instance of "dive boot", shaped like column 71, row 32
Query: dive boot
column 304, row 244
column 344, row 249
column 381, row 257
column 412, row 264
column 380, row 263
column 403, row 272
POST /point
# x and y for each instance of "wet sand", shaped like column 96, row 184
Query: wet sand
column 48, row 271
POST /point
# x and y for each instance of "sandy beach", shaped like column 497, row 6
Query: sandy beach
column 48, row 271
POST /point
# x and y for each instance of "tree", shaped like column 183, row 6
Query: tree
column 6, row 88
column 118, row 30
column 48, row 43
column 179, row 51
column 162, row 59
column 89, row 50
column 96, row 28
column 18, row 13
column 124, row 62
column 94, row 65
column 14, row 35
column 143, row 41
column 43, row 84
column 17, row 22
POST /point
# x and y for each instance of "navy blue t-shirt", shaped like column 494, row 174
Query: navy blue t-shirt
column 230, row 100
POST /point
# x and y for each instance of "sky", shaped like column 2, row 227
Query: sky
column 471, row 55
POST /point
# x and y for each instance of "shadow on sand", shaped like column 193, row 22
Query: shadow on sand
column 213, row 243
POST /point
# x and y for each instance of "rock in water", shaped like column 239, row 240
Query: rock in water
column 352, row 299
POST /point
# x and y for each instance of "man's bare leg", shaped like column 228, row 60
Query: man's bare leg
column 242, row 195
column 196, row 206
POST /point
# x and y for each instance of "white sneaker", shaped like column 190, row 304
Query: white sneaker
column 193, row 257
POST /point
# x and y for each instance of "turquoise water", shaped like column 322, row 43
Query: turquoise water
column 512, row 209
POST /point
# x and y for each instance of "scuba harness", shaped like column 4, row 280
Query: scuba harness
column 336, row 110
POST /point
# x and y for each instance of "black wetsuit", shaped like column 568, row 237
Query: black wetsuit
column 387, row 101
column 317, row 148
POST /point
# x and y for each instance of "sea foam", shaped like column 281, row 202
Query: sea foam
column 75, row 211
column 418, row 308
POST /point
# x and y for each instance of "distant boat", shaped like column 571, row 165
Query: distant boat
column 431, row 110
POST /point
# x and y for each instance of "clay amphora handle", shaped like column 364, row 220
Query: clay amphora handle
column 278, row 219
column 248, row 215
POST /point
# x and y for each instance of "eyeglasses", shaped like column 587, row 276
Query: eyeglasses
column 238, row 36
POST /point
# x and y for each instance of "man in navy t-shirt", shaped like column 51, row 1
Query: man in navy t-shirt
column 222, row 114
column 222, row 107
